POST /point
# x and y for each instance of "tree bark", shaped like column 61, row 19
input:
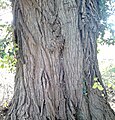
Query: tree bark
column 57, row 62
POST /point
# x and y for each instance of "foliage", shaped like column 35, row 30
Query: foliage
column 7, row 47
column 107, row 68
column 97, row 85
column 106, row 61
column 108, row 76
column 107, row 9
column 4, row 4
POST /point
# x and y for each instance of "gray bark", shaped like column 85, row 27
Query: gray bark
column 57, row 62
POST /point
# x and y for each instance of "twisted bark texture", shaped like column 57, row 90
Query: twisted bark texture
column 57, row 61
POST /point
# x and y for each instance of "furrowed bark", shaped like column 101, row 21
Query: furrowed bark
column 57, row 62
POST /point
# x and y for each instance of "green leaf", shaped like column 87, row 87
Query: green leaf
column 2, row 66
column 95, row 85
column 100, row 87
column 109, row 85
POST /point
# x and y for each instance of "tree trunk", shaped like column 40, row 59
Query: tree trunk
column 57, row 62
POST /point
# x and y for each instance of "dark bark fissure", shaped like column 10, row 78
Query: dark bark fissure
column 57, row 62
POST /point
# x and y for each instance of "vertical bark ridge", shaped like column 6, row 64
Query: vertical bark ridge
column 57, row 61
